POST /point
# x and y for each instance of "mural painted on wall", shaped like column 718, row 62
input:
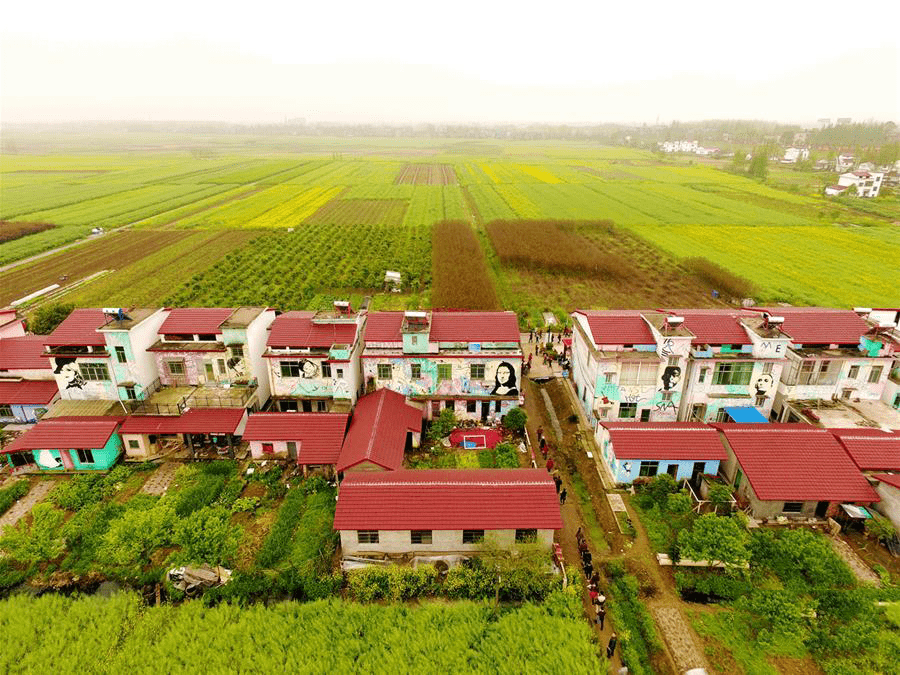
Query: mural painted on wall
column 671, row 377
column 48, row 460
column 505, row 380
column 237, row 367
column 68, row 368
column 764, row 384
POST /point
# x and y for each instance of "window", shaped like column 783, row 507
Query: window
column 628, row 410
column 207, row 337
column 638, row 374
column 476, row 371
column 667, row 395
column 497, row 406
column 420, row 537
column 222, row 369
column 761, row 401
column 703, row 373
column 875, row 374
column 853, row 372
column 175, row 367
column 268, row 448
column 367, row 536
column 120, row 355
column 449, row 405
column 5, row 410
column 445, row 372
column 738, row 373
column 326, row 369
column 94, row 371
column 415, row 371
column 528, row 536
column 645, row 415
column 818, row 372
column 340, row 373
column 846, row 394
column 85, row 456
column 130, row 394
column 767, row 368
column 291, row 369
column 673, row 361
column 237, row 351
column 722, row 415
column 609, row 377
column 321, row 406
column 473, row 536
column 292, row 449
column 792, row 507
column 471, row 406
column 384, row 371
column 648, row 468
column 133, row 444
column 413, row 339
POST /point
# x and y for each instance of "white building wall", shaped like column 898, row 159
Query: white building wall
column 718, row 396
column 257, row 333
column 443, row 541
column 889, row 506
column 142, row 337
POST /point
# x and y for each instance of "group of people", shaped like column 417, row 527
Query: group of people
column 550, row 465
column 598, row 597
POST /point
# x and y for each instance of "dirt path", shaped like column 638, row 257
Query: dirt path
column 22, row 507
column 158, row 483
column 856, row 564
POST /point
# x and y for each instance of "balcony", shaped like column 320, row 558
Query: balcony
column 175, row 400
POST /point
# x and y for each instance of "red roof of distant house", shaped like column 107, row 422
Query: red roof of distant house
column 840, row 188
column 194, row 421
column 297, row 329
column 23, row 353
column 378, row 430
column 28, row 392
column 715, row 326
column 79, row 328
column 319, row 434
column 665, row 440
column 58, row 433
column 448, row 327
column 618, row 328
column 862, row 174
column 796, row 462
column 195, row 321
column 871, row 449
column 892, row 479
column 448, row 499
column 817, row 325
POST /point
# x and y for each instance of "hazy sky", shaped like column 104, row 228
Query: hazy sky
column 462, row 61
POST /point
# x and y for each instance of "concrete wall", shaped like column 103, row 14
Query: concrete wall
column 72, row 386
column 279, row 447
column 891, row 394
column 67, row 460
column 257, row 333
column 684, row 469
column 310, row 384
column 889, row 505
column 860, row 386
column 140, row 366
column 718, row 396
column 443, row 541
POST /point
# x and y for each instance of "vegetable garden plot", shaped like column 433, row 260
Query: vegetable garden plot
column 426, row 174
column 361, row 211
column 430, row 204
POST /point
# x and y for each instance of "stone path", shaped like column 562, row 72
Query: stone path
column 678, row 638
column 859, row 568
column 554, row 421
column 159, row 482
column 21, row 508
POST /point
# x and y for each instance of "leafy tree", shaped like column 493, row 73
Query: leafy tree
column 659, row 488
column 207, row 536
column 678, row 503
column 739, row 161
column 515, row 419
column 759, row 163
column 48, row 317
column 443, row 425
column 715, row 538
column 719, row 496
column 880, row 527
column 132, row 538
column 41, row 541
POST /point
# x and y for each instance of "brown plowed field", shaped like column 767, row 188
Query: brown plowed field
column 426, row 174
column 10, row 231
column 112, row 251
column 361, row 212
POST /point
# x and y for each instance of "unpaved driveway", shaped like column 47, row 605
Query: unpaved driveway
column 23, row 506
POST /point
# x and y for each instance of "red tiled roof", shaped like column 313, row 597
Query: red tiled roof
column 28, row 392
column 378, row 430
column 191, row 321
column 58, row 433
column 715, row 326
column 194, row 421
column 871, row 449
column 837, row 187
column 384, row 327
column 796, row 462
column 79, row 328
column 892, row 479
column 296, row 329
column 23, row 353
column 618, row 328
column 448, row 499
column 817, row 325
column 474, row 327
column 320, row 434
column 665, row 440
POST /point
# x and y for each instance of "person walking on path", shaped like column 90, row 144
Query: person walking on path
column 562, row 496
column 550, row 465
column 540, row 433
column 611, row 646
column 558, row 481
column 601, row 616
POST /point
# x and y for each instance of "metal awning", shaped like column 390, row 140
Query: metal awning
column 856, row 511
column 746, row 415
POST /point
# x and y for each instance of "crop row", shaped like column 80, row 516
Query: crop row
column 295, row 211
column 361, row 212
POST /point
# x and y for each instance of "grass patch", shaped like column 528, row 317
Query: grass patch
column 595, row 532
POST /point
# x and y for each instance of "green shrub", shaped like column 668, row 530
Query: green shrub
column 245, row 504
column 84, row 534
column 40, row 541
column 146, row 525
column 86, row 489
column 220, row 467
column 679, row 503
column 277, row 544
column 659, row 488
column 465, row 581
column 716, row 538
column 779, row 612
column 507, row 456
column 11, row 494
column 202, row 492
column 48, row 317
column 207, row 536
column 714, row 583
column 369, row 583
column 800, row 558
column 315, row 484
column 442, row 425
column 515, row 419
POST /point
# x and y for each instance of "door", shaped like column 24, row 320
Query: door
column 821, row 509
column 210, row 373
column 697, row 471
column 307, row 406
column 737, row 479
column 292, row 449
column 672, row 470
column 485, row 410
column 645, row 415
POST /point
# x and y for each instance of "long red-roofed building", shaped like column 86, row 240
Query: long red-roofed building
column 146, row 436
column 66, row 444
column 791, row 470
column 310, row 439
column 445, row 511
column 470, row 362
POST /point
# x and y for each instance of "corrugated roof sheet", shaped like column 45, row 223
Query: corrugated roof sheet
column 79, row 328
column 384, row 327
column 297, row 329
column 892, row 479
column 474, row 327
column 28, row 392
column 193, row 421
column 817, row 325
column 23, row 353
column 618, row 328
column 665, row 440
column 69, row 433
column 191, row 321
column 796, row 462
column 714, row 326
column 448, row 499
column 320, row 434
column 378, row 430
column 871, row 449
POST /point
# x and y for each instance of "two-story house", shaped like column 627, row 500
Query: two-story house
column 865, row 183
column 27, row 385
column 213, row 357
column 313, row 360
column 470, row 362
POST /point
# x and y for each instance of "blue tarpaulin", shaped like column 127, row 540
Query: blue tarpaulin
column 746, row 415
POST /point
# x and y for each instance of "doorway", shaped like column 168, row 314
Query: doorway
column 307, row 405
column 485, row 410
column 821, row 509
column 210, row 373
column 698, row 470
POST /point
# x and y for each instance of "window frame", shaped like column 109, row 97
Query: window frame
column 385, row 371
column 527, row 535
column 134, row 444
column 471, row 406
column 421, row 537
column 792, row 510
column 121, row 357
column 326, row 369
column 6, row 410
column 647, row 374
column 444, row 372
column 85, row 455
column 853, row 373
column 415, row 371
column 732, row 373
column 875, row 374
column 290, row 368
column 631, row 407
column 94, row 372
column 367, row 537
column 473, row 536
column 648, row 467
column 474, row 370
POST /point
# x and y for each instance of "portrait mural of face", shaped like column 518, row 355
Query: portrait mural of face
column 69, row 370
column 505, row 380
column 763, row 384
column 308, row 369
column 671, row 377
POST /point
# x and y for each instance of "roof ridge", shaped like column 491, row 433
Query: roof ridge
column 371, row 443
